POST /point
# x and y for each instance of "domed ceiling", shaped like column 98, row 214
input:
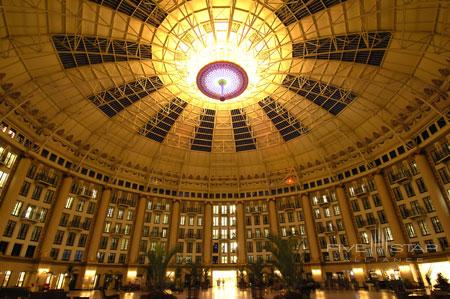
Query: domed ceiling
column 301, row 88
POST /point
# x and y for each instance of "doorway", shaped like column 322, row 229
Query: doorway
column 224, row 278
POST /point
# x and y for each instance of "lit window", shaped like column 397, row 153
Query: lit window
column 3, row 178
column 69, row 202
column 17, row 208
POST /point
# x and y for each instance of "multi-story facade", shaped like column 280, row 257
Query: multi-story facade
column 55, row 221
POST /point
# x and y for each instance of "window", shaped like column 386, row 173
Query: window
column 78, row 256
column 80, row 205
column 25, row 188
column 70, row 239
column 110, row 212
column 37, row 192
column 91, row 208
column 437, row 225
column 103, row 242
column 17, row 208
column 445, row 177
column 82, row 240
column 376, row 200
column 17, row 248
column 388, row 234
column 9, row 229
column 69, row 202
column 120, row 213
column 48, row 198
column 30, row 251
column 423, row 228
column 409, row 190
column 66, row 255
column 337, row 210
column 182, row 220
column 397, row 193
column 410, row 230
column 428, row 204
column 443, row 243
column 366, row 203
column 21, row 279
column 421, row 185
column 36, row 234
column 58, row 237
column 355, row 205
column 6, row 278
column 22, row 233
column 199, row 221
column 382, row 217
column 364, row 237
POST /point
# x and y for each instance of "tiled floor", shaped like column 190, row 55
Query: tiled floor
column 234, row 293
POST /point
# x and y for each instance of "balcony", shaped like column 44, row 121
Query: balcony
column 119, row 232
column 46, row 179
column 371, row 223
column 288, row 206
column 323, row 203
column 360, row 191
column 330, row 230
column 417, row 213
column 75, row 226
column 192, row 210
column 400, row 176
column 126, row 202
column 30, row 219
column 158, row 235
column 84, row 192
column 441, row 155
column 256, row 210
column 159, row 207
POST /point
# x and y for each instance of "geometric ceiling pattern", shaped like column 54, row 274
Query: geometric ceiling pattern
column 116, row 99
column 204, row 132
column 144, row 10
column 367, row 48
column 331, row 98
column 288, row 126
column 159, row 125
column 331, row 82
column 77, row 50
column 295, row 10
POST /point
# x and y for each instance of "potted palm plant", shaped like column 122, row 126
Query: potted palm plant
column 288, row 259
column 256, row 278
column 159, row 259
column 194, row 284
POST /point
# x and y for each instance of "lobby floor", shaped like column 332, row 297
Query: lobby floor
column 234, row 293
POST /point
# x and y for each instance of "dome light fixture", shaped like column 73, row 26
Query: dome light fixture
column 222, row 80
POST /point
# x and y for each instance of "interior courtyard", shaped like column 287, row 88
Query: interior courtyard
column 220, row 149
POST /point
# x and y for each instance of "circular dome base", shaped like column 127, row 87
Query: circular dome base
column 222, row 80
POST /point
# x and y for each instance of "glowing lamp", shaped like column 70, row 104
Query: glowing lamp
column 222, row 80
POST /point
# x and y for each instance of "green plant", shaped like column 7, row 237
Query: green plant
column 256, row 273
column 288, row 259
column 157, row 267
column 442, row 283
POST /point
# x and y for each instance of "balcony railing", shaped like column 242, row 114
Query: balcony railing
column 46, row 179
column 85, row 192
column 256, row 210
column 192, row 210
column 74, row 225
column 441, row 155
column 361, row 190
column 287, row 206
column 400, row 176
column 417, row 213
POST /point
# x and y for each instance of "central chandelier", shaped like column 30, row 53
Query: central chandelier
column 222, row 80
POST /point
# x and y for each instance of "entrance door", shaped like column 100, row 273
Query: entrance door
column 224, row 278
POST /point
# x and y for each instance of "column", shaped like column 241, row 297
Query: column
column 207, row 237
column 174, row 223
column 98, row 226
column 55, row 216
column 137, row 231
column 13, row 190
column 240, row 219
column 395, row 222
column 310, row 229
column 436, row 196
column 347, row 220
column 273, row 217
